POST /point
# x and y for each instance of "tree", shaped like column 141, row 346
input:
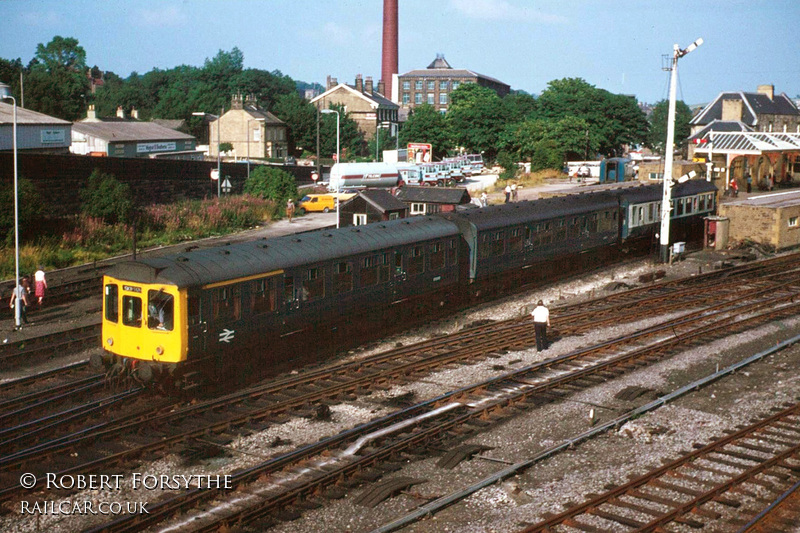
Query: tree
column 383, row 140
column 62, row 53
column 271, row 183
column 105, row 197
column 475, row 118
column 351, row 140
column 426, row 125
column 301, row 118
column 657, row 136
column 57, row 84
column 613, row 120
column 30, row 208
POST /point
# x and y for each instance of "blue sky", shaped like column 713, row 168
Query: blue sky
column 613, row 44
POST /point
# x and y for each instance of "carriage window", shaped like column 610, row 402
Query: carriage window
column 342, row 278
column 132, row 311
column 679, row 212
column 451, row 252
column 264, row 296
column 437, row 256
column 416, row 263
column 369, row 272
column 384, row 267
column 160, row 310
column 515, row 240
column 398, row 263
column 288, row 289
column 694, row 204
column 484, row 246
column 314, row 284
column 112, row 302
column 227, row 303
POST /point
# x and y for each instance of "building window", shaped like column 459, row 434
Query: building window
column 406, row 85
column 359, row 219
column 417, row 209
column 406, row 98
column 417, row 98
column 443, row 85
column 456, row 84
column 431, row 85
column 792, row 222
column 442, row 98
column 430, row 98
column 418, row 85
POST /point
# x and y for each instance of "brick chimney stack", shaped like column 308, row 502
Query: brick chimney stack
column 368, row 88
column 359, row 83
column 389, row 57
column 381, row 87
column 768, row 90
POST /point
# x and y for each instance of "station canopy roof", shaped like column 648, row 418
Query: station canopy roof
column 746, row 142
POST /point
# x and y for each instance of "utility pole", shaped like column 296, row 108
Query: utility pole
column 666, row 200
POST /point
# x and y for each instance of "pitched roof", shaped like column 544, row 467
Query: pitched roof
column 434, row 195
column 257, row 112
column 754, row 142
column 439, row 62
column 719, row 126
column 754, row 104
column 448, row 73
column 128, row 131
column 375, row 98
column 382, row 200
column 26, row 116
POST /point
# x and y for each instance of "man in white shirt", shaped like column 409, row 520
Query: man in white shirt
column 541, row 319
column 508, row 193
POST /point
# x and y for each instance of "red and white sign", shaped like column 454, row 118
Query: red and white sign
column 214, row 174
column 314, row 176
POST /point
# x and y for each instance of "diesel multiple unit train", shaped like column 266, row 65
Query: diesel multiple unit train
column 262, row 306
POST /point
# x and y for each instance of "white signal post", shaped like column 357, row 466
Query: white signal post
column 329, row 111
column 666, row 200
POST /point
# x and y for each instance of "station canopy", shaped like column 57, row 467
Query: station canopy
column 747, row 142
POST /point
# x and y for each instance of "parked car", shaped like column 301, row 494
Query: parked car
column 289, row 160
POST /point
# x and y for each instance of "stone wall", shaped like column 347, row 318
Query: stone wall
column 59, row 178
column 759, row 224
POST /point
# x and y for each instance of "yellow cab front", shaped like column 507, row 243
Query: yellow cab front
column 144, row 321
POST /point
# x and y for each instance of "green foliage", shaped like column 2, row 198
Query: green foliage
column 225, row 147
column 301, row 117
column 547, row 154
column 106, row 198
column 613, row 120
column 475, row 119
column 351, row 141
column 271, row 183
column 56, row 82
column 30, row 208
column 426, row 125
column 62, row 53
column 657, row 137
column 509, row 164
column 385, row 141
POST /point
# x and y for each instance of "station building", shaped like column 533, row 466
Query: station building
column 769, row 219
column 250, row 129
column 122, row 137
column 36, row 132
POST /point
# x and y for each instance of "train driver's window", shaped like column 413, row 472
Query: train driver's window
column 132, row 311
column 112, row 302
column 160, row 310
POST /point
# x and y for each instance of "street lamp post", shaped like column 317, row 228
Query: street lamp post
column 666, row 200
column 248, row 141
column 327, row 112
column 5, row 94
column 219, row 155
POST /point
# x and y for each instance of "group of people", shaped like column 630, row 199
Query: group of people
column 511, row 192
column 21, row 295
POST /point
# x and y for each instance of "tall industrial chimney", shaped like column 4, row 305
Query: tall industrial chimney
column 389, row 58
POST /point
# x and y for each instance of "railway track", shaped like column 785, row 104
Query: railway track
column 714, row 484
column 37, row 349
column 778, row 517
column 267, row 404
column 295, row 480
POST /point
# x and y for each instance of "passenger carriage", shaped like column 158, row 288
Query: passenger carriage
column 233, row 304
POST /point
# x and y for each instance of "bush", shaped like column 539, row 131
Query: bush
column 30, row 209
column 272, row 184
column 506, row 160
column 106, row 198
column 547, row 154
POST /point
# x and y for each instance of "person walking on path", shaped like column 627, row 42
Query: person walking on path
column 734, row 187
column 541, row 319
column 514, row 192
column 508, row 193
column 289, row 209
column 484, row 199
column 20, row 297
column 40, row 284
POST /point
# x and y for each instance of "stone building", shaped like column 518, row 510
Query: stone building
column 772, row 220
column 434, row 84
column 253, row 132
column 760, row 111
column 363, row 102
